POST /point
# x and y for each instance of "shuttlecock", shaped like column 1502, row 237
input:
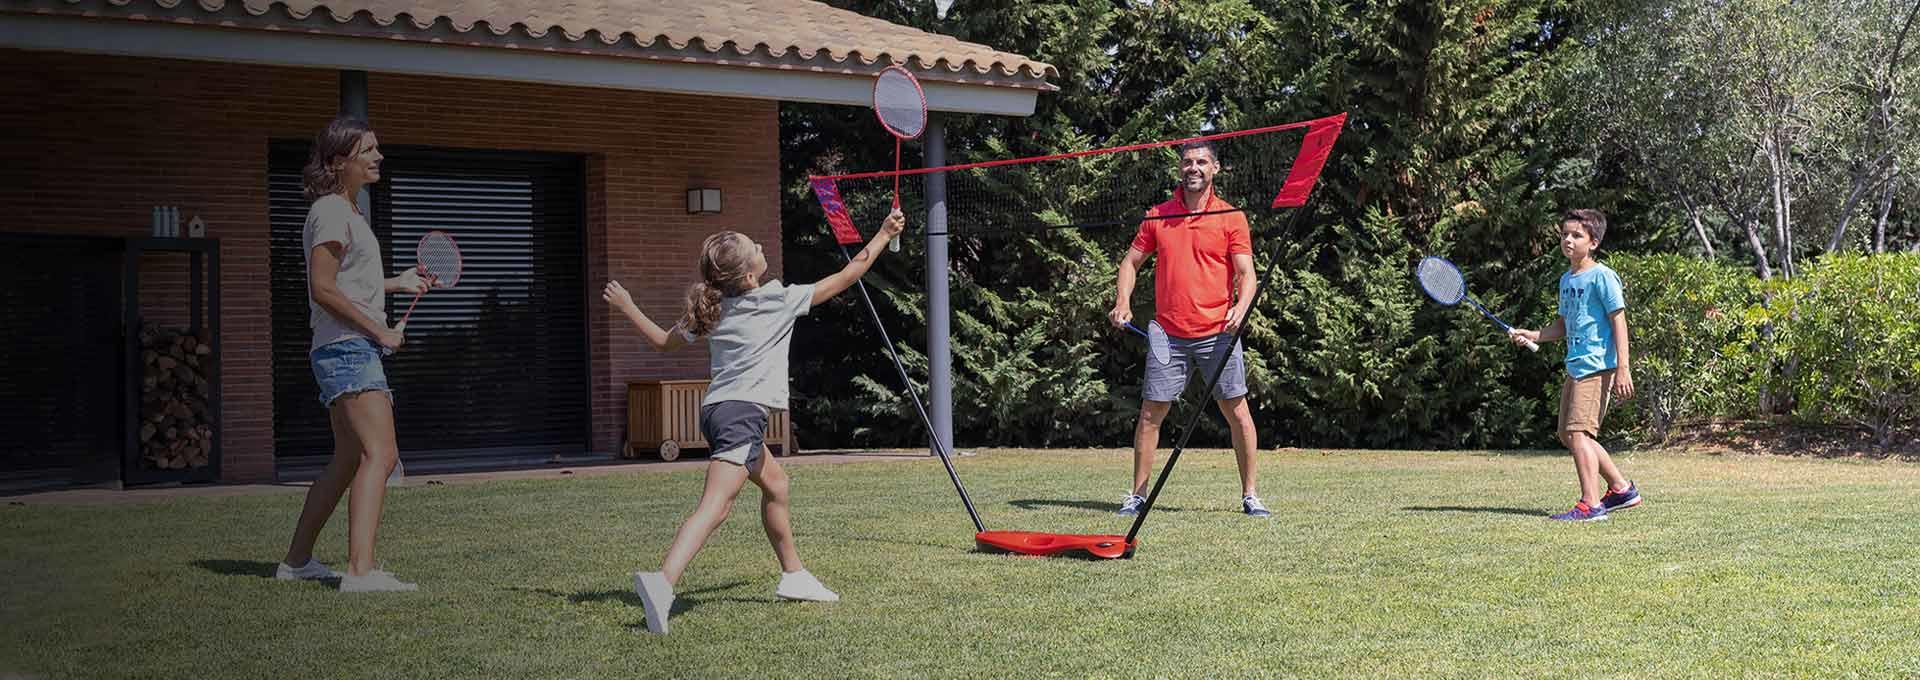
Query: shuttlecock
column 940, row 7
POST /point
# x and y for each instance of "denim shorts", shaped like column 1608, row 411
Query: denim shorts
column 1165, row 382
column 347, row 367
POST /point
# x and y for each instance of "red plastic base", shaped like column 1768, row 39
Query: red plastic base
column 1037, row 543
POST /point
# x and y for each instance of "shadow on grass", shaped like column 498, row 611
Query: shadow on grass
column 1481, row 510
column 1080, row 555
column 972, row 548
column 1102, row 506
column 237, row 567
column 683, row 602
column 1615, row 447
column 873, row 539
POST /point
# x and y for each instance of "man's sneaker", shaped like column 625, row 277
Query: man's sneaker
column 1581, row 512
column 656, row 597
column 313, row 570
column 801, row 585
column 1131, row 506
column 1252, row 506
column 376, row 581
column 1621, row 500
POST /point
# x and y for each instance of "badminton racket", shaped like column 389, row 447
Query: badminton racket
column 902, row 108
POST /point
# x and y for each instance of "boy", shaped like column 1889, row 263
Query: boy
column 1593, row 319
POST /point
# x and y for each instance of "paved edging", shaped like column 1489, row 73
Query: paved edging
column 103, row 496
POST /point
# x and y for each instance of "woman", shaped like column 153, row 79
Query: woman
column 347, row 289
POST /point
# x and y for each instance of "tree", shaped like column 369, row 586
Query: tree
column 1772, row 119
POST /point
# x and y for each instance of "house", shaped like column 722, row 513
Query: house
column 556, row 141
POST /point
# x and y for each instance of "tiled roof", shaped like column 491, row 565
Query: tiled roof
column 789, row 34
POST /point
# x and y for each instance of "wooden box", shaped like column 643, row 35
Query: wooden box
column 664, row 416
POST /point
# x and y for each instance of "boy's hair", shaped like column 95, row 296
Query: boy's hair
column 1594, row 221
column 726, row 259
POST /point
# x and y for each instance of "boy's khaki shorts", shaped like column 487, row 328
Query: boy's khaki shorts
column 1584, row 402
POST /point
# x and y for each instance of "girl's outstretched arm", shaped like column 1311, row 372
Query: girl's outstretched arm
column 661, row 339
column 861, row 262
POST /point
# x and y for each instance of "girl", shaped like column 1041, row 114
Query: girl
column 347, row 290
column 748, row 325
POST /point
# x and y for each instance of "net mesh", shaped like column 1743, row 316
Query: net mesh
column 1260, row 171
column 439, row 259
column 1442, row 281
column 900, row 104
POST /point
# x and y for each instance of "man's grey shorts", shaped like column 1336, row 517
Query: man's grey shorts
column 736, row 432
column 1165, row 382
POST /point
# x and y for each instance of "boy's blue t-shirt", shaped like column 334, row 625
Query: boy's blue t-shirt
column 1586, row 299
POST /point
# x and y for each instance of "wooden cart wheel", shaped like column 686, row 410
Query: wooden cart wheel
column 669, row 450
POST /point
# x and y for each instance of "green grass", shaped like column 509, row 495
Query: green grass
column 1375, row 564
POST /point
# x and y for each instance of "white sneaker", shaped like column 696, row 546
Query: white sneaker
column 313, row 570
column 656, row 597
column 376, row 581
column 800, row 585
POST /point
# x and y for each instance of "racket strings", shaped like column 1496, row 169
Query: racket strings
column 1157, row 343
column 440, row 259
column 900, row 104
column 1442, row 281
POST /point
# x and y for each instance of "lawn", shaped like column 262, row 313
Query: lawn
column 1394, row 564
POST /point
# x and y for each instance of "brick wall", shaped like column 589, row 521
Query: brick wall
column 95, row 142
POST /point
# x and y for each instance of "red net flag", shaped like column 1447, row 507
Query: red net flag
column 837, row 218
column 1312, row 159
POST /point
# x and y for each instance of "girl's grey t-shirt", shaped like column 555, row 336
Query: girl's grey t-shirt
column 748, row 345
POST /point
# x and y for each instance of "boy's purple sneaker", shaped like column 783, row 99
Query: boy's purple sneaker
column 1581, row 512
column 1621, row 500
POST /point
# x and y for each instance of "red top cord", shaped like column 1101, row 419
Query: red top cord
column 1336, row 122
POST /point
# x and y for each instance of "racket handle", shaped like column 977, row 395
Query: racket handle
column 1530, row 344
column 1136, row 329
column 893, row 246
column 409, row 314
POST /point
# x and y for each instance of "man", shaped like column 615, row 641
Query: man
column 1201, row 293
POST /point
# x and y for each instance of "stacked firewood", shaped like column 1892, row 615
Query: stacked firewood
column 176, row 427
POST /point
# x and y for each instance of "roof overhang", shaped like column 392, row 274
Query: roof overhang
column 849, row 84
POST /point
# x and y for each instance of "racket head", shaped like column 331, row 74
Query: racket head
column 1157, row 343
column 900, row 103
column 1441, row 280
column 439, row 259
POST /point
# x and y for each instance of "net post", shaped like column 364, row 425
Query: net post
column 939, row 308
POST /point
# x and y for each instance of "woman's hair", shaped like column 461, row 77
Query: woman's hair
column 339, row 139
column 726, row 263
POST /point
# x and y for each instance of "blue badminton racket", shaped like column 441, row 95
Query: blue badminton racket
column 1156, row 341
column 1446, row 285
